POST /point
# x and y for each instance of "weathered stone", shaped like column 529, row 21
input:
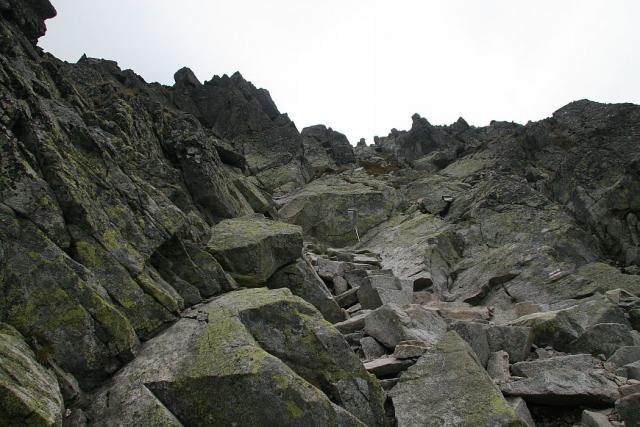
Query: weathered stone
column 302, row 280
column 391, row 325
column 630, row 371
column 328, row 269
column 475, row 334
column 522, row 410
column 372, row 349
column 628, row 408
column 252, row 248
column 347, row 298
column 596, row 418
column 248, row 118
column 634, row 318
column 322, row 207
column 559, row 328
column 340, row 285
column 326, row 149
column 604, row 338
column 380, row 290
column 410, row 349
column 624, row 355
column 354, row 323
column 387, row 366
column 498, row 367
column 447, row 387
column 516, row 341
column 254, row 360
column 627, row 389
column 29, row 393
column 366, row 259
column 356, row 278
column 564, row 380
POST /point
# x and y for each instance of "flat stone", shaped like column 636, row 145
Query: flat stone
column 328, row 269
column 366, row 259
column 340, row 285
column 354, row 309
column 386, row 366
column 356, row 278
column 562, row 381
column 353, row 324
column 410, row 349
column 560, row 328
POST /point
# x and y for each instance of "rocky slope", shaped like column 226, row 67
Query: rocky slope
column 185, row 256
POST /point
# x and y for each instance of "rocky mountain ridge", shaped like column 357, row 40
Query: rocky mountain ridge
column 185, row 256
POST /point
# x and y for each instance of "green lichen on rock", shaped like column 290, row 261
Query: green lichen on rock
column 29, row 393
column 322, row 207
column 447, row 386
column 217, row 366
column 252, row 248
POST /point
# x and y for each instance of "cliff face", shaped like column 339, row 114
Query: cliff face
column 133, row 215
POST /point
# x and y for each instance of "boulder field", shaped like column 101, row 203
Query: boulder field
column 184, row 256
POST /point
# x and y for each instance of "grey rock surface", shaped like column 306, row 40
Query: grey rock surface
column 303, row 281
column 223, row 364
column 563, row 380
column 391, row 324
column 629, row 407
column 252, row 248
column 448, row 387
column 30, row 394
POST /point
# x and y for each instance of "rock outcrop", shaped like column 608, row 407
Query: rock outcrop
column 178, row 255
column 326, row 150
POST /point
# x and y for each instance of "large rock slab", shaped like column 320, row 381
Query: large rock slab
column 322, row 207
column 381, row 289
column 252, row 248
column 605, row 338
column 448, row 387
column 303, row 281
column 29, row 393
column 559, row 328
column 563, row 380
column 255, row 357
column 391, row 324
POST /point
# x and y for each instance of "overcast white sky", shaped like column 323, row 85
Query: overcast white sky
column 365, row 66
